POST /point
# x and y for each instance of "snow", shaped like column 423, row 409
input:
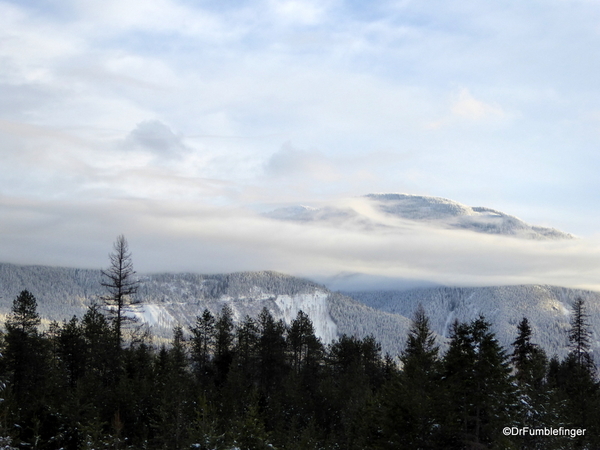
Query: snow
column 315, row 306
column 152, row 314
column 435, row 211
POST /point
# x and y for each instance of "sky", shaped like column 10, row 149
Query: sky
column 177, row 122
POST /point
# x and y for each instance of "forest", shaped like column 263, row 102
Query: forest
column 102, row 382
column 262, row 384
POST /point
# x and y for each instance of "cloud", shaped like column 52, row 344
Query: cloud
column 156, row 137
column 298, row 11
column 186, row 236
column 467, row 109
column 470, row 108
column 342, row 81
column 291, row 161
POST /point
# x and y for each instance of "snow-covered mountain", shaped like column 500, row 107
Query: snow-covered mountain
column 167, row 300
column 548, row 309
column 380, row 210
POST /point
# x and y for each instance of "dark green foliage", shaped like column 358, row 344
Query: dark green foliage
column 530, row 370
column 264, row 385
column 580, row 337
column 272, row 350
column 24, row 318
column 410, row 402
column 224, row 339
column 479, row 391
column 203, row 342
column 306, row 349
column 27, row 368
column 575, row 385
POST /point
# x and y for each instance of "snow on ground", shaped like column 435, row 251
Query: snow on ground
column 315, row 306
column 153, row 315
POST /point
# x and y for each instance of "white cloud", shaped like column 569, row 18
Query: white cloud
column 289, row 161
column 352, row 87
column 470, row 108
column 298, row 11
column 187, row 236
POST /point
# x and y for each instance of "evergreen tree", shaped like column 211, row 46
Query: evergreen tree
column 224, row 339
column 272, row 351
column 203, row 343
column 174, row 406
column 246, row 349
column 357, row 368
column 410, row 401
column 530, row 367
column 24, row 317
column 101, row 355
column 580, row 336
column 305, row 346
column 27, row 359
column 72, row 350
column 480, row 398
column 121, row 284
column 576, row 380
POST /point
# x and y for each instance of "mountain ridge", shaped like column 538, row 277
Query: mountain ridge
column 169, row 299
column 375, row 211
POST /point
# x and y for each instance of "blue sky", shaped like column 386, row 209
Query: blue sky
column 136, row 115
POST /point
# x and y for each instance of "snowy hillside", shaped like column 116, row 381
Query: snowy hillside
column 548, row 309
column 379, row 211
column 167, row 300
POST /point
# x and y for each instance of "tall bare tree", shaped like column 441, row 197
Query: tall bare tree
column 120, row 282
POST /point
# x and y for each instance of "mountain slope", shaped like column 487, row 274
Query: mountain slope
column 166, row 300
column 548, row 309
column 380, row 210
column 170, row 299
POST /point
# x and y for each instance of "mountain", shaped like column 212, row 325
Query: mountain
column 374, row 211
column 166, row 300
column 548, row 309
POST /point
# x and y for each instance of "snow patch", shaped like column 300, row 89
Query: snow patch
column 315, row 306
column 153, row 315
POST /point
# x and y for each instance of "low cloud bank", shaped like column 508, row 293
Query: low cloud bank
column 186, row 236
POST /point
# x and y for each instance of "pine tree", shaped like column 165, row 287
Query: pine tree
column 420, row 355
column 478, row 388
column 224, row 339
column 411, row 400
column 121, row 284
column 24, row 317
column 580, row 336
column 577, row 381
column 173, row 388
column 203, row 343
column 272, row 351
column 305, row 346
column 27, row 357
column 72, row 350
column 530, row 367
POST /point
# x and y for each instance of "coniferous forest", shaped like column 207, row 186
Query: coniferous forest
column 263, row 384
column 95, row 383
